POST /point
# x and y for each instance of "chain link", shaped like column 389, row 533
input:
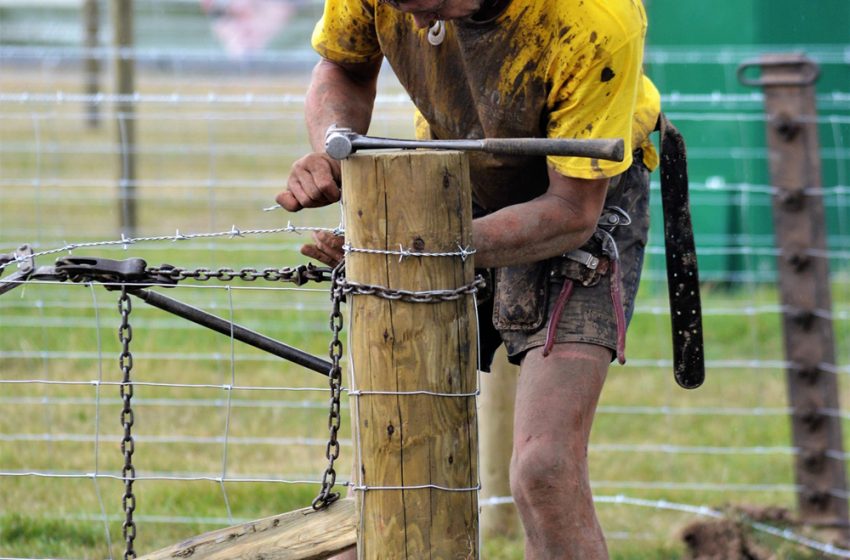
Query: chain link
column 326, row 495
column 427, row 296
column 125, row 360
column 298, row 275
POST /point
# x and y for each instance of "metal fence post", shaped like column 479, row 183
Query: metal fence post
column 800, row 224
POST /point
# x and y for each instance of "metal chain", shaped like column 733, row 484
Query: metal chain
column 125, row 335
column 326, row 495
column 298, row 275
column 427, row 296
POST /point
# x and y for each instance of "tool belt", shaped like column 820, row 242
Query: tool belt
column 521, row 295
column 521, row 298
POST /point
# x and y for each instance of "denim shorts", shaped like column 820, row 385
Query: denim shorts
column 589, row 315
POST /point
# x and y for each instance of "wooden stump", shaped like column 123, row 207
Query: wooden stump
column 413, row 365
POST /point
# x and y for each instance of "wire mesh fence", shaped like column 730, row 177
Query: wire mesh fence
column 226, row 433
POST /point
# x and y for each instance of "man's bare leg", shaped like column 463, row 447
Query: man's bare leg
column 556, row 401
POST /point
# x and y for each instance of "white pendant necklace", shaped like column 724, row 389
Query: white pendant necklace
column 437, row 32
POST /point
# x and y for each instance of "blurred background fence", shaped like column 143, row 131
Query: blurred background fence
column 226, row 433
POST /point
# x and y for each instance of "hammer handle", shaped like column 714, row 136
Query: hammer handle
column 607, row 149
column 340, row 146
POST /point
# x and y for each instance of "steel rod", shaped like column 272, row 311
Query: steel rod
column 240, row 333
column 12, row 281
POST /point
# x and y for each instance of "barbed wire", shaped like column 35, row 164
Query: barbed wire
column 125, row 242
column 403, row 253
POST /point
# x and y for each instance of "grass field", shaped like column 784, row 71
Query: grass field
column 206, row 166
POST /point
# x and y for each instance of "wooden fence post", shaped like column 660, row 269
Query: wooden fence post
column 413, row 364
column 91, row 72
column 498, row 392
column 125, row 118
column 800, row 224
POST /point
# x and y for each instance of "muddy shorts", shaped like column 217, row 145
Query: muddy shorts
column 589, row 315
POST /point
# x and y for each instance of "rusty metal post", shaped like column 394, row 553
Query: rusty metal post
column 799, row 218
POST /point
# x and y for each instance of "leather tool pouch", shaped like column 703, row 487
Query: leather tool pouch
column 521, row 294
column 520, row 298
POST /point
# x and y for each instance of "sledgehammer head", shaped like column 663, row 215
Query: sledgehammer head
column 338, row 142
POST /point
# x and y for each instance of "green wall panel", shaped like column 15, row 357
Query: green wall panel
column 695, row 48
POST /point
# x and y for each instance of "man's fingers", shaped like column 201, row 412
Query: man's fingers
column 300, row 184
column 312, row 183
column 314, row 252
column 310, row 194
column 295, row 197
column 324, row 180
column 330, row 244
column 318, row 186
column 328, row 248
column 288, row 201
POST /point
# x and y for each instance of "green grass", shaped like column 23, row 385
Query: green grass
column 18, row 533
column 69, row 196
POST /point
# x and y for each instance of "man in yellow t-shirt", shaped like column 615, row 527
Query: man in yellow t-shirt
column 517, row 68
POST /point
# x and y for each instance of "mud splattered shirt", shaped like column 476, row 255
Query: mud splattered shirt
column 554, row 68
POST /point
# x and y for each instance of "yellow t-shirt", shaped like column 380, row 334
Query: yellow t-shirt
column 553, row 68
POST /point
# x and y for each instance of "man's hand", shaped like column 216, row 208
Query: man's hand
column 327, row 248
column 313, row 182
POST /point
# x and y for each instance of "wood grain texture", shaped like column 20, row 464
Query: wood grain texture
column 419, row 201
column 303, row 534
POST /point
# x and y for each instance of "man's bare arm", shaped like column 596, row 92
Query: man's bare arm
column 560, row 220
column 338, row 94
column 342, row 94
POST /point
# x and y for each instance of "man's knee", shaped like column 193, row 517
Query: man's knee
column 548, row 467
